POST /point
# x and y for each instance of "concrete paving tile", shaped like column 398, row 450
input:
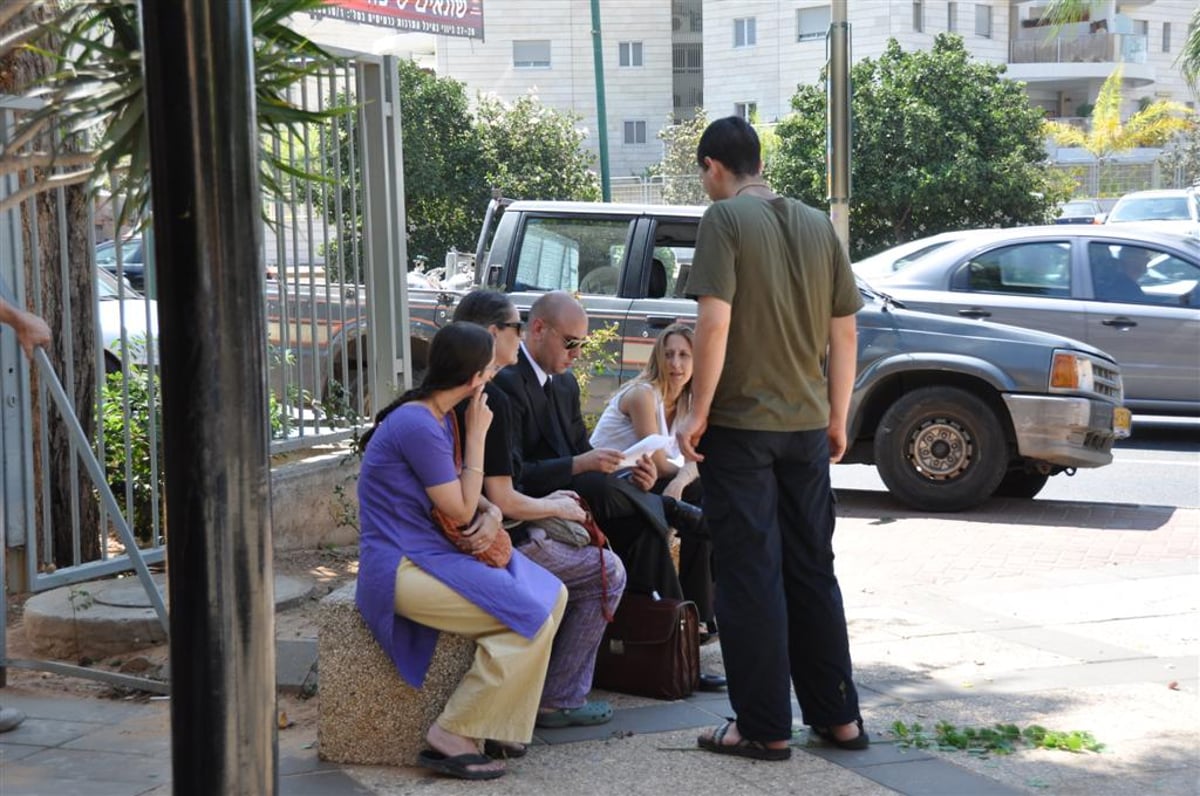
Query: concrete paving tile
column 16, row 784
column 878, row 753
column 303, row 764
column 1117, row 599
column 1071, row 646
column 321, row 783
column 1099, row 673
column 139, row 735
column 1162, row 636
column 47, row 732
column 634, row 721
column 100, row 766
column 935, row 778
column 106, row 711
column 295, row 662
column 804, row 773
column 12, row 752
column 1166, row 783
column 962, row 658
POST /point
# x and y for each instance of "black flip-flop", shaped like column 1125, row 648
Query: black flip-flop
column 456, row 766
column 755, row 750
column 503, row 750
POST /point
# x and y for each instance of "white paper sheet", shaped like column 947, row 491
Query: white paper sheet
column 650, row 444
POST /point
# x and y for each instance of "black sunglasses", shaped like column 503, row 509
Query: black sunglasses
column 570, row 343
column 518, row 325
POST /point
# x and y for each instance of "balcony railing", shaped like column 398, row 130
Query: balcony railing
column 1086, row 48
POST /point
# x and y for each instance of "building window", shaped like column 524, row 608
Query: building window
column 1166, row 37
column 951, row 17
column 687, row 58
column 745, row 33
column 631, row 53
column 531, row 54
column 812, row 23
column 635, row 132
column 746, row 110
column 918, row 16
column 983, row 20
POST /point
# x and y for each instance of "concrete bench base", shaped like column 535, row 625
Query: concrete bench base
column 368, row 714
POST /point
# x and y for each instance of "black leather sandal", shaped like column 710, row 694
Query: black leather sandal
column 858, row 743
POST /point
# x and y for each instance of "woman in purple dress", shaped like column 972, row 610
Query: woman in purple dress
column 414, row 582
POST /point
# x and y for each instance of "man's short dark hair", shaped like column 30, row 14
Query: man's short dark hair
column 733, row 142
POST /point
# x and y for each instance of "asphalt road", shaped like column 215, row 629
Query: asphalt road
column 1159, row 466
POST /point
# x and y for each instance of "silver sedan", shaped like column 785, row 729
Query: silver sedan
column 1130, row 291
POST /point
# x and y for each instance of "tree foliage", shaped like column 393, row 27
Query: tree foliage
column 445, row 191
column 1181, row 157
column 531, row 151
column 678, row 168
column 453, row 158
column 940, row 142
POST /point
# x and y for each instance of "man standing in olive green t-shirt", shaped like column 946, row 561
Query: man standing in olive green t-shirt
column 776, row 303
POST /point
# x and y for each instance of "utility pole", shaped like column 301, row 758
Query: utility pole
column 601, row 112
column 200, row 111
column 837, row 141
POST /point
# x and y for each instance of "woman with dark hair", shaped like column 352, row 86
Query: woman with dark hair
column 595, row 578
column 414, row 582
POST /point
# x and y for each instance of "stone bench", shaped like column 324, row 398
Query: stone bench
column 368, row 715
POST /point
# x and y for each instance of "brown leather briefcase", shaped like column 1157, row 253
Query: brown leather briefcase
column 651, row 648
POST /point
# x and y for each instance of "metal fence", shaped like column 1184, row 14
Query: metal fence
column 1115, row 179
column 336, row 320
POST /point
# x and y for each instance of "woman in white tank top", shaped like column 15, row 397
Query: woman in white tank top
column 654, row 403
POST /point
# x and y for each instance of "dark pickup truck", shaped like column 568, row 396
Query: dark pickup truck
column 950, row 411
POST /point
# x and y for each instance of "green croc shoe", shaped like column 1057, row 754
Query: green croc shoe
column 584, row 716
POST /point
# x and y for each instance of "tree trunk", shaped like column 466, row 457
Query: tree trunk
column 54, row 226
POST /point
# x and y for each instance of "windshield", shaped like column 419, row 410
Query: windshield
column 106, row 287
column 1152, row 208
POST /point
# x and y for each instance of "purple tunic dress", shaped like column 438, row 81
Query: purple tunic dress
column 410, row 451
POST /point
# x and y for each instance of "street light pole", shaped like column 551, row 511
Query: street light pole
column 601, row 112
column 837, row 143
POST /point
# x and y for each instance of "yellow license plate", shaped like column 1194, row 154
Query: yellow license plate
column 1122, row 422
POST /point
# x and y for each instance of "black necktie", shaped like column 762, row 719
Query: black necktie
column 558, row 436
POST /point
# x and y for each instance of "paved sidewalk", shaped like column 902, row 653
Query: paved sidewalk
column 1069, row 615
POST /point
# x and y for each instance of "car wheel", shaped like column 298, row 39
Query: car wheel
column 1021, row 484
column 940, row 449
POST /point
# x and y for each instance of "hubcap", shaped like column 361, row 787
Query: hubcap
column 940, row 449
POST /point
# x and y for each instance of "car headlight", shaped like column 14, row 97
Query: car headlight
column 1072, row 372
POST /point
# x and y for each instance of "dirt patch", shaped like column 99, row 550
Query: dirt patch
column 328, row 569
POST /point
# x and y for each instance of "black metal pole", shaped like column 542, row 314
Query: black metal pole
column 204, row 166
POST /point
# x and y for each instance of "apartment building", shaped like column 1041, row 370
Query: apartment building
column 757, row 51
column 664, row 58
column 545, row 46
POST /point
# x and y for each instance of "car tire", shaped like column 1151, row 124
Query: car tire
column 1021, row 484
column 941, row 449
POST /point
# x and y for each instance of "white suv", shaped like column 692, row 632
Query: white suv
column 1175, row 210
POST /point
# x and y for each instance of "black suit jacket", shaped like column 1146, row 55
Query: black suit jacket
column 545, row 466
column 633, row 520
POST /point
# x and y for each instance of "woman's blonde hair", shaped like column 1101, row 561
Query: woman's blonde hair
column 655, row 371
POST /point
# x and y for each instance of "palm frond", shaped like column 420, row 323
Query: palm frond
column 96, row 95
column 1189, row 56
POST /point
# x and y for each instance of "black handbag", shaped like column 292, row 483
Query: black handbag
column 652, row 648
